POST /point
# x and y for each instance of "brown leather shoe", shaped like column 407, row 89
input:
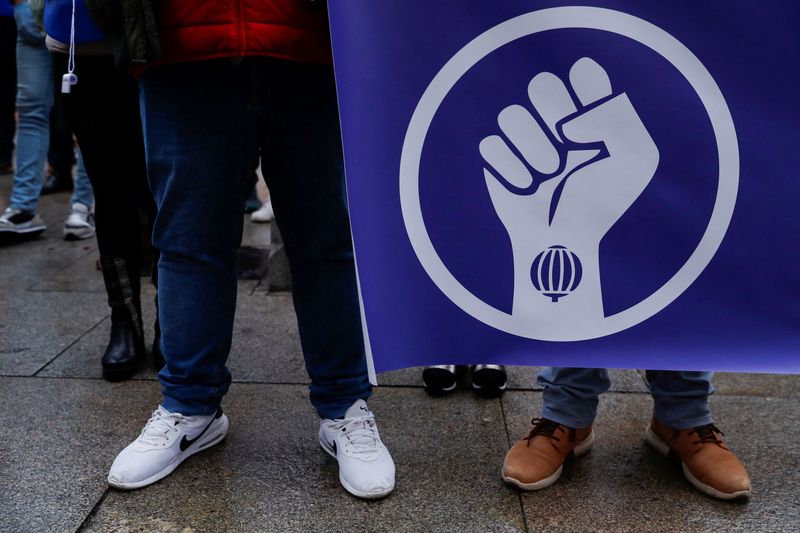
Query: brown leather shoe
column 707, row 463
column 536, row 461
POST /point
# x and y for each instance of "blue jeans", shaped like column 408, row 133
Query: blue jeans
column 680, row 398
column 34, row 102
column 82, row 193
column 205, row 125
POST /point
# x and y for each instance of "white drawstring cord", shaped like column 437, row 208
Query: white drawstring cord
column 69, row 79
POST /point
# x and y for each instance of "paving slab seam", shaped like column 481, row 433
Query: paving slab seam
column 73, row 343
column 508, row 444
column 91, row 514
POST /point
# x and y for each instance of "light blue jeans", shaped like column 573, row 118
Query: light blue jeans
column 34, row 102
column 680, row 398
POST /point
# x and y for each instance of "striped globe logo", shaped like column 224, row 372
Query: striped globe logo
column 556, row 272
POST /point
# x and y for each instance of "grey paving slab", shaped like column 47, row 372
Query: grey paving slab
column 519, row 377
column 29, row 263
column 80, row 275
column 622, row 485
column 266, row 344
column 58, row 439
column 773, row 385
column 270, row 475
column 255, row 234
column 36, row 326
column 83, row 358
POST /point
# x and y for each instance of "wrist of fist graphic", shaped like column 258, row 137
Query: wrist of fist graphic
column 561, row 175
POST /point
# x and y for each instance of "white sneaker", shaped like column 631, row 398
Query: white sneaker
column 263, row 214
column 20, row 222
column 165, row 442
column 79, row 224
column 366, row 469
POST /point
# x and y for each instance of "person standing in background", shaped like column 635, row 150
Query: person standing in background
column 34, row 101
column 102, row 109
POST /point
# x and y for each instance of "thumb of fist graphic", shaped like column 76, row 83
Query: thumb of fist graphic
column 560, row 175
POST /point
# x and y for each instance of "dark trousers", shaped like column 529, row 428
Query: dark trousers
column 8, row 87
column 205, row 124
column 103, row 111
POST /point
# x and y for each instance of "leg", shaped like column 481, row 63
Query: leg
column 102, row 110
column 196, row 170
column 8, row 89
column 682, row 426
column 681, row 398
column 302, row 163
column 563, row 431
column 571, row 394
column 83, row 193
column 34, row 101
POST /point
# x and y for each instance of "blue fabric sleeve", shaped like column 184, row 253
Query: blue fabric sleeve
column 57, row 18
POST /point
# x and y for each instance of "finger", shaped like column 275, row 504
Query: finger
column 589, row 81
column 528, row 137
column 551, row 99
column 500, row 157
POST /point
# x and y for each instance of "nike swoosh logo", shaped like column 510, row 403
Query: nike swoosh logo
column 185, row 443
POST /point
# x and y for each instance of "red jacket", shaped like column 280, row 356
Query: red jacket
column 193, row 30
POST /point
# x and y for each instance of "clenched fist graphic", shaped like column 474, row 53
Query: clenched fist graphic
column 560, row 175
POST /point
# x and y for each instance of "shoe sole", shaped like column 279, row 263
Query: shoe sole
column 215, row 434
column 663, row 448
column 78, row 234
column 579, row 450
column 375, row 495
column 24, row 231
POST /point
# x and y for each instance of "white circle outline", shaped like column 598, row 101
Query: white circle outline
column 525, row 25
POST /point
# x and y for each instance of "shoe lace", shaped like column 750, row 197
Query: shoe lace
column 544, row 427
column 159, row 425
column 707, row 434
column 361, row 434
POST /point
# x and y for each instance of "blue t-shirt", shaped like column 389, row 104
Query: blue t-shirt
column 57, row 20
column 6, row 9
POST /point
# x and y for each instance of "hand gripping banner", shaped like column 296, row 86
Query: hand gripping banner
column 605, row 185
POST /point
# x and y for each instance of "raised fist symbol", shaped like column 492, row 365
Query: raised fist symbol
column 560, row 175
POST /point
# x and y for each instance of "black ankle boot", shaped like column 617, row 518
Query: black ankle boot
column 125, row 351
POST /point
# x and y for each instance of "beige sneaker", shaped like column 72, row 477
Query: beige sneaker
column 537, row 460
column 708, row 464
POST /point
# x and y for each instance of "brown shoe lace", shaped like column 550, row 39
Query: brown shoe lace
column 544, row 427
column 707, row 435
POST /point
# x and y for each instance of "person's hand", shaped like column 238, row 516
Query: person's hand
column 564, row 175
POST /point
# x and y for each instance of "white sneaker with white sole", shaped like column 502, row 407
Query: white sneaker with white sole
column 79, row 224
column 366, row 468
column 166, row 441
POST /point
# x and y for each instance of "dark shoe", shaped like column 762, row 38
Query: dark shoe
column 708, row 464
column 125, row 352
column 489, row 380
column 6, row 167
column 55, row 182
column 537, row 460
column 439, row 379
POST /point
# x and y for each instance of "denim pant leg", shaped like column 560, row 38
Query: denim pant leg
column 200, row 146
column 303, row 166
column 82, row 194
column 571, row 394
column 34, row 101
column 681, row 398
